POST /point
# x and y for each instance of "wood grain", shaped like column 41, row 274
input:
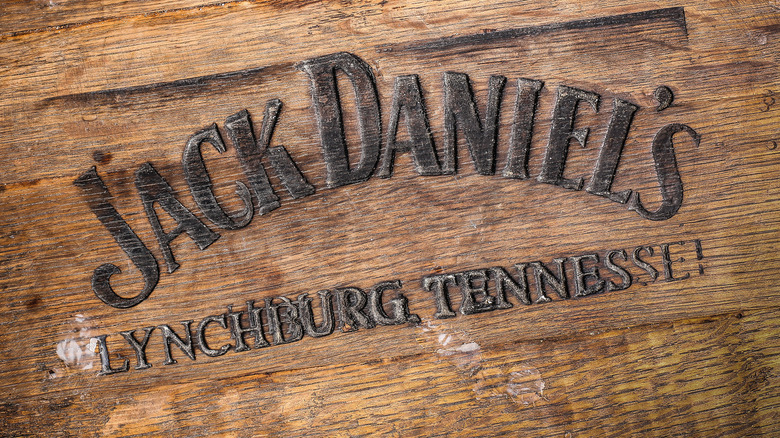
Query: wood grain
column 118, row 86
column 23, row 17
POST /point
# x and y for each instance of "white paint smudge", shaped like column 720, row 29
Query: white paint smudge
column 525, row 386
column 469, row 347
column 78, row 352
column 519, row 383
column 69, row 351
column 456, row 345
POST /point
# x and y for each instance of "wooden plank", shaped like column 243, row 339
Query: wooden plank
column 680, row 336
column 19, row 17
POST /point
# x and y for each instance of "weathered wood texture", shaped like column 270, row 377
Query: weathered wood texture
column 122, row 84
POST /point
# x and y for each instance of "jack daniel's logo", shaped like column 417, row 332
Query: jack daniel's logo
column 378, row 149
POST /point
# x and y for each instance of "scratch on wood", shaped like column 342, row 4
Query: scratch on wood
column 674, row 15
column 194, row 84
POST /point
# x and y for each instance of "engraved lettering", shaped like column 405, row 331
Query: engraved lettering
column 185, row 345
column 287, row 171
column 625, row 276
column 699, row 255
column 505, row 282
column 327, row 109
column 438, row 285
column 105, row 359
column 610, row 152
column 201, row 187
column 139, row 347
column 482, row 290
column 561, row 131
column 643, row 264
column 250, row 153
column 477, row 124
column 408, row 101
column 667, row 172
column 399, row 305
column 581, row 274
column 473, row 287
column 288, row 317
column 460, row 110
column 98, row 199
column 664, row 96
column 201, row 335
column 667, row 262
column 352, row 303
column 543, row 276
column 238, row 330
column 522, row 128
column 154, row 189
column 307, row 316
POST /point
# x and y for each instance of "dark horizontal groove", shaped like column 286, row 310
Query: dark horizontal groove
column 57, row 27
column 194, row 82
column 675, row 15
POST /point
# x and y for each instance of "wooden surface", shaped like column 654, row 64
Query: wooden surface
column 119, row 84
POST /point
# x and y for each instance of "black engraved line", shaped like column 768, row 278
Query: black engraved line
column 195, row 84
column 675, row 15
